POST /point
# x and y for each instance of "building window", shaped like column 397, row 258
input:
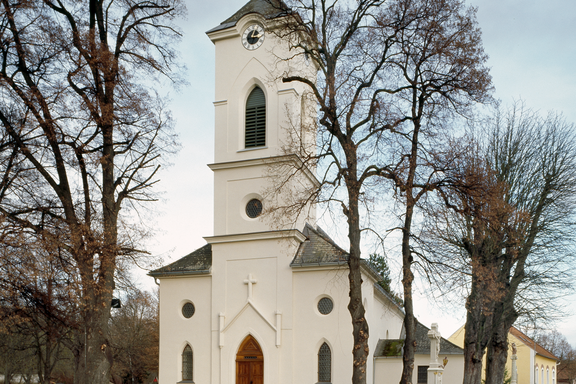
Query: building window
column 255, row 119
column 187, row 362
column 325, row 305
column 254, row 208
column 324, row 364
column 422, row 374
column 553, row 376
column 536, row 375
column 188, row 310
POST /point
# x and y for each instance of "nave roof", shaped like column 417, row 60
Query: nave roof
column 393, row 347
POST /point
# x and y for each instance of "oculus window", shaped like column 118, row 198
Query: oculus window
column 325, row 305
column 254, row 208
column 188, row 310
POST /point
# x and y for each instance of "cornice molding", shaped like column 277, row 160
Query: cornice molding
column 294, row 159
column 254, row 236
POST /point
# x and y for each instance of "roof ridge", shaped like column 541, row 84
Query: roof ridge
column 533, row 342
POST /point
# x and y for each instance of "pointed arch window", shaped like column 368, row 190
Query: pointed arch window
column 324, row 364
column 255, row 119
column 187, row 363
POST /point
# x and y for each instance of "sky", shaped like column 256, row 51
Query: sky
column 532, row 54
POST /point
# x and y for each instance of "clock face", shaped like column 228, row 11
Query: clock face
column 253, row 37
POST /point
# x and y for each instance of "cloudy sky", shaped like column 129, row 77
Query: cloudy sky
column 532, row 49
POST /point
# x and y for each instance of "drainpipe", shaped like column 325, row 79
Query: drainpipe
column 373, row 367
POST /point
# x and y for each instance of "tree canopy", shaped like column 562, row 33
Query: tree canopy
column 391, row 75
column 82, row 138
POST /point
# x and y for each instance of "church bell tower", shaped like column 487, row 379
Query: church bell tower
column 257, row 117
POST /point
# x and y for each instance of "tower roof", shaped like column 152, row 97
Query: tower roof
column 269, row 9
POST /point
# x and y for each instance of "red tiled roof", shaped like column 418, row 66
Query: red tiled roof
column 532, row 344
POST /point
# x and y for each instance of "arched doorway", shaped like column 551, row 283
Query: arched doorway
column 249, row 362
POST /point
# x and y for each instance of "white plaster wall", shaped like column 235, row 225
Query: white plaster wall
column 235, row 186
column 385, row 319
column 267, row 261
column 176, row 330
column 387, row 370
column 454, row 370
column 311, row 328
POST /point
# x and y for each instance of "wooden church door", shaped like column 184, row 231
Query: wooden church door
column 249, row 362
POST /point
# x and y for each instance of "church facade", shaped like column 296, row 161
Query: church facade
column 264, row 301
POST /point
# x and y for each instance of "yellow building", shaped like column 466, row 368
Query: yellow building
column 535, row 365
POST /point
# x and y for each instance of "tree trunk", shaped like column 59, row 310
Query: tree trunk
column 473, row 352
column 409, row 320
column 504, row 317
column 360, row 332
column 407, row 275
column 478, row 326
column 93, row 352
column 497, row 354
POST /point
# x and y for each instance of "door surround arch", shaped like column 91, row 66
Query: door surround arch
column 249, row 362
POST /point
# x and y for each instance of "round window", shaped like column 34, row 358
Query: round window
column 188, row 310
column 325, row 305
column 254, row 208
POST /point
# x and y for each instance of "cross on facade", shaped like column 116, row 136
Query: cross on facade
column 249, row 282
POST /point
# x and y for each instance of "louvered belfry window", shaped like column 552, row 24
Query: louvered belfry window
column 324, row 364
column 255, row 119
column 187, row 363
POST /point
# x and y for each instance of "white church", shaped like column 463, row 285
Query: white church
column 264, row 302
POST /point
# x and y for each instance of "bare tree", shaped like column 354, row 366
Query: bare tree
column 81, row 139
column 391, row 74
column 135, row 336
column 557, row 343
column 36, row 305
column 508, row 226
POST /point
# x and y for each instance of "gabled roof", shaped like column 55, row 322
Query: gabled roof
column 197, row 262
column 269, row 9
column 393, row 347
column 423, row 342
column 532, row 344
column 318, row 249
